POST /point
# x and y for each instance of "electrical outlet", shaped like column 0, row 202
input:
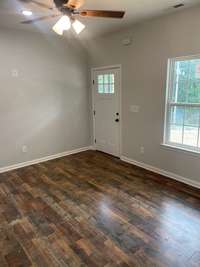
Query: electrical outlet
column 24, row 149
column 141, row 150
column 127, row 41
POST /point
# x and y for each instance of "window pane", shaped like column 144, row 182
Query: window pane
column 192, row 117
column 194, row 91
column 100, row 79
column 106, row 84
column 199, row 141
column 109, row 88
column 100, row 88
column 112, row 78
column 197, row 70
column 194, row 81
column 182, row 68
column 180, row 91
column 177, row 115
column 112, row 88
column 190, row 136
column 176, row 134
column 106, row 88
column 186, row 81
column 180, row 81
column 106, row 78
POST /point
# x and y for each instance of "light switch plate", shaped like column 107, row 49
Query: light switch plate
column 24, row 149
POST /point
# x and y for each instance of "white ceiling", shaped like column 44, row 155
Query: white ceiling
column 136, row 10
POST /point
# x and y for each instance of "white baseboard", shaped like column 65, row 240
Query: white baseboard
column 162, row 172
column 123, row 158
column 36, row 161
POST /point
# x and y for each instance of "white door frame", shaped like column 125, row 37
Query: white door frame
column 118, row 66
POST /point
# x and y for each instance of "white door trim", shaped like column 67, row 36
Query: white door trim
column 119, row 67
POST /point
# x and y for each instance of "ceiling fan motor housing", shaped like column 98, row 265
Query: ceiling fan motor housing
column 59, row 3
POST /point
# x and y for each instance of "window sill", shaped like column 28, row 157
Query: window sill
column 181, row 149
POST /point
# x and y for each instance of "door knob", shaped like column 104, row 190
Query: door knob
column 117, row 120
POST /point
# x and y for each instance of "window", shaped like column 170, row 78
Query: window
column 182, row 123
column 106, row 84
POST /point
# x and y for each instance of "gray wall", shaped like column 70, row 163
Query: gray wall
column 46, row 107
column 144, row 69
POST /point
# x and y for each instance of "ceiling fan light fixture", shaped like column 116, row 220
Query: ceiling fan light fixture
column 78, row 26
column 27, row 13
column 63, row 24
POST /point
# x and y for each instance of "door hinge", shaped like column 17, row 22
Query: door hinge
column 93, row 81
column 95, row 141
column 94, row 112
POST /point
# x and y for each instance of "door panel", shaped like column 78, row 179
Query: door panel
column 107, row 111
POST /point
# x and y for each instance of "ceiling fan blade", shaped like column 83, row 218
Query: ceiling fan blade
column 102, row 13
column 75, row 4
column 41, row 4
column 39, row 19
column 37, row 3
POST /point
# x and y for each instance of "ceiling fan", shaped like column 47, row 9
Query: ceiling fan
column 70, row 10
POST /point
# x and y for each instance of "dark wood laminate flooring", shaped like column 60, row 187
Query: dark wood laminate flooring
column 91, row 209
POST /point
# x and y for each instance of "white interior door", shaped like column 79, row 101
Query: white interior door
column 107, row 110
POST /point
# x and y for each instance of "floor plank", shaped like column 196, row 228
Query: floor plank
column 91, row 209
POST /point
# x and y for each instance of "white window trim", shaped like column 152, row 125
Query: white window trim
column 181, row 149
column 166, row 142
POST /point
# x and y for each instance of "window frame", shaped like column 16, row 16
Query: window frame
column 169, row 104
